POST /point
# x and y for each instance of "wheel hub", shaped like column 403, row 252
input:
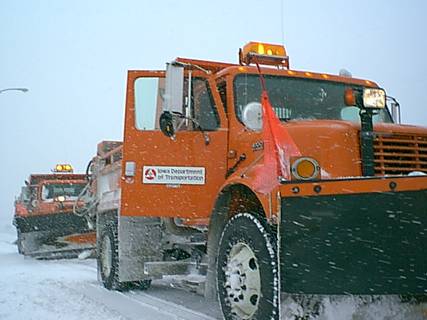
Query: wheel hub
column 242, row 281
column 106, row 258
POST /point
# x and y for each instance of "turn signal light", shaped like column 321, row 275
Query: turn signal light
column 305, row 168
column 349, row 97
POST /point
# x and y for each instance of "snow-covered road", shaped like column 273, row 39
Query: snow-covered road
column 68, row 289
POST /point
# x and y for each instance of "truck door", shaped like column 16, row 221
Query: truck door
column 172, row 177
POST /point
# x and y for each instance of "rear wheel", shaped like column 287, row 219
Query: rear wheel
column 247, row 276
column 108, row 262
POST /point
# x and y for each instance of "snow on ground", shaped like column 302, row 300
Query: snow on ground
column 351, row 308
column 68, row 290
column 31, row 289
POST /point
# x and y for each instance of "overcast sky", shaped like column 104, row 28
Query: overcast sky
column 73, row 56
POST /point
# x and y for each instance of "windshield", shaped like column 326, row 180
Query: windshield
column 53, row 190
column 299, row 99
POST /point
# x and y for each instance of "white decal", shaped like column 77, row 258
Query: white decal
column 173, row 175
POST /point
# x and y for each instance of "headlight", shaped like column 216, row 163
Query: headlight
column 374, row 98
column 60, row 198
column 305, row 168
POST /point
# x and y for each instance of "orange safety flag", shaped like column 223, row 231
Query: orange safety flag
column 278, row 148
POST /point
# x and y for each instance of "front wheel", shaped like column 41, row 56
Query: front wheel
column 247, row 273
column 19, row 242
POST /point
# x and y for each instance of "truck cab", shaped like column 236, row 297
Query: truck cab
column 44, row 214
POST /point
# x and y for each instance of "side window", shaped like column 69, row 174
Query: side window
column 204, row 111
column 25, row 194
column 149, row 99
column 148, row 102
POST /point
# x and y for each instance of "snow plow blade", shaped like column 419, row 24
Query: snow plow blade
column 42, row 245
column 54, row 236
column 355, row 236
column 68, row 251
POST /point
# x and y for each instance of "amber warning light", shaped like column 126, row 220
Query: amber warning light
column 264, row 53
column 63, row 168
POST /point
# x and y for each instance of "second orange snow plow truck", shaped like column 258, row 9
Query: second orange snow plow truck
column 265, row 180
column 44, row 219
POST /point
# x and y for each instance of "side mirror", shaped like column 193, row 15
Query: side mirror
column 395, row 110
column 166, row 124
column 174, row 97
column 174, row 88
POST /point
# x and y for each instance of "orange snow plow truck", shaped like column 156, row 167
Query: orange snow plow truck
column 44, row 219
column 264, row 180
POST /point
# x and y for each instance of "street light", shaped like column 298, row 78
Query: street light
column 14, row 89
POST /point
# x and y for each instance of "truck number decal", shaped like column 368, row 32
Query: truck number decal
column 173, row 175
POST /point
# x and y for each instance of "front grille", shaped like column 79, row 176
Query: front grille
column 397, row 153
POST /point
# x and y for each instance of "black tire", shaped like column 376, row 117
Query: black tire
column 245, row 233
column 108, row 262
column 19, row 242
column 108, row 257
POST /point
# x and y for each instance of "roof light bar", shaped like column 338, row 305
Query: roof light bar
column 263, row 53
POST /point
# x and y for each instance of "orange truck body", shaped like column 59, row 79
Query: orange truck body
column 221, row 154
column 205, row 180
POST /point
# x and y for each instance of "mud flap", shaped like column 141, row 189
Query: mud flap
column 366, row 243
column 139, row 242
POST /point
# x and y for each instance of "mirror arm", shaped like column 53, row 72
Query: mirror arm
column 198, row 126
column 205, row 136
column 395, row 110
column 196, row 123
column 234, row 167
column 178, row 63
